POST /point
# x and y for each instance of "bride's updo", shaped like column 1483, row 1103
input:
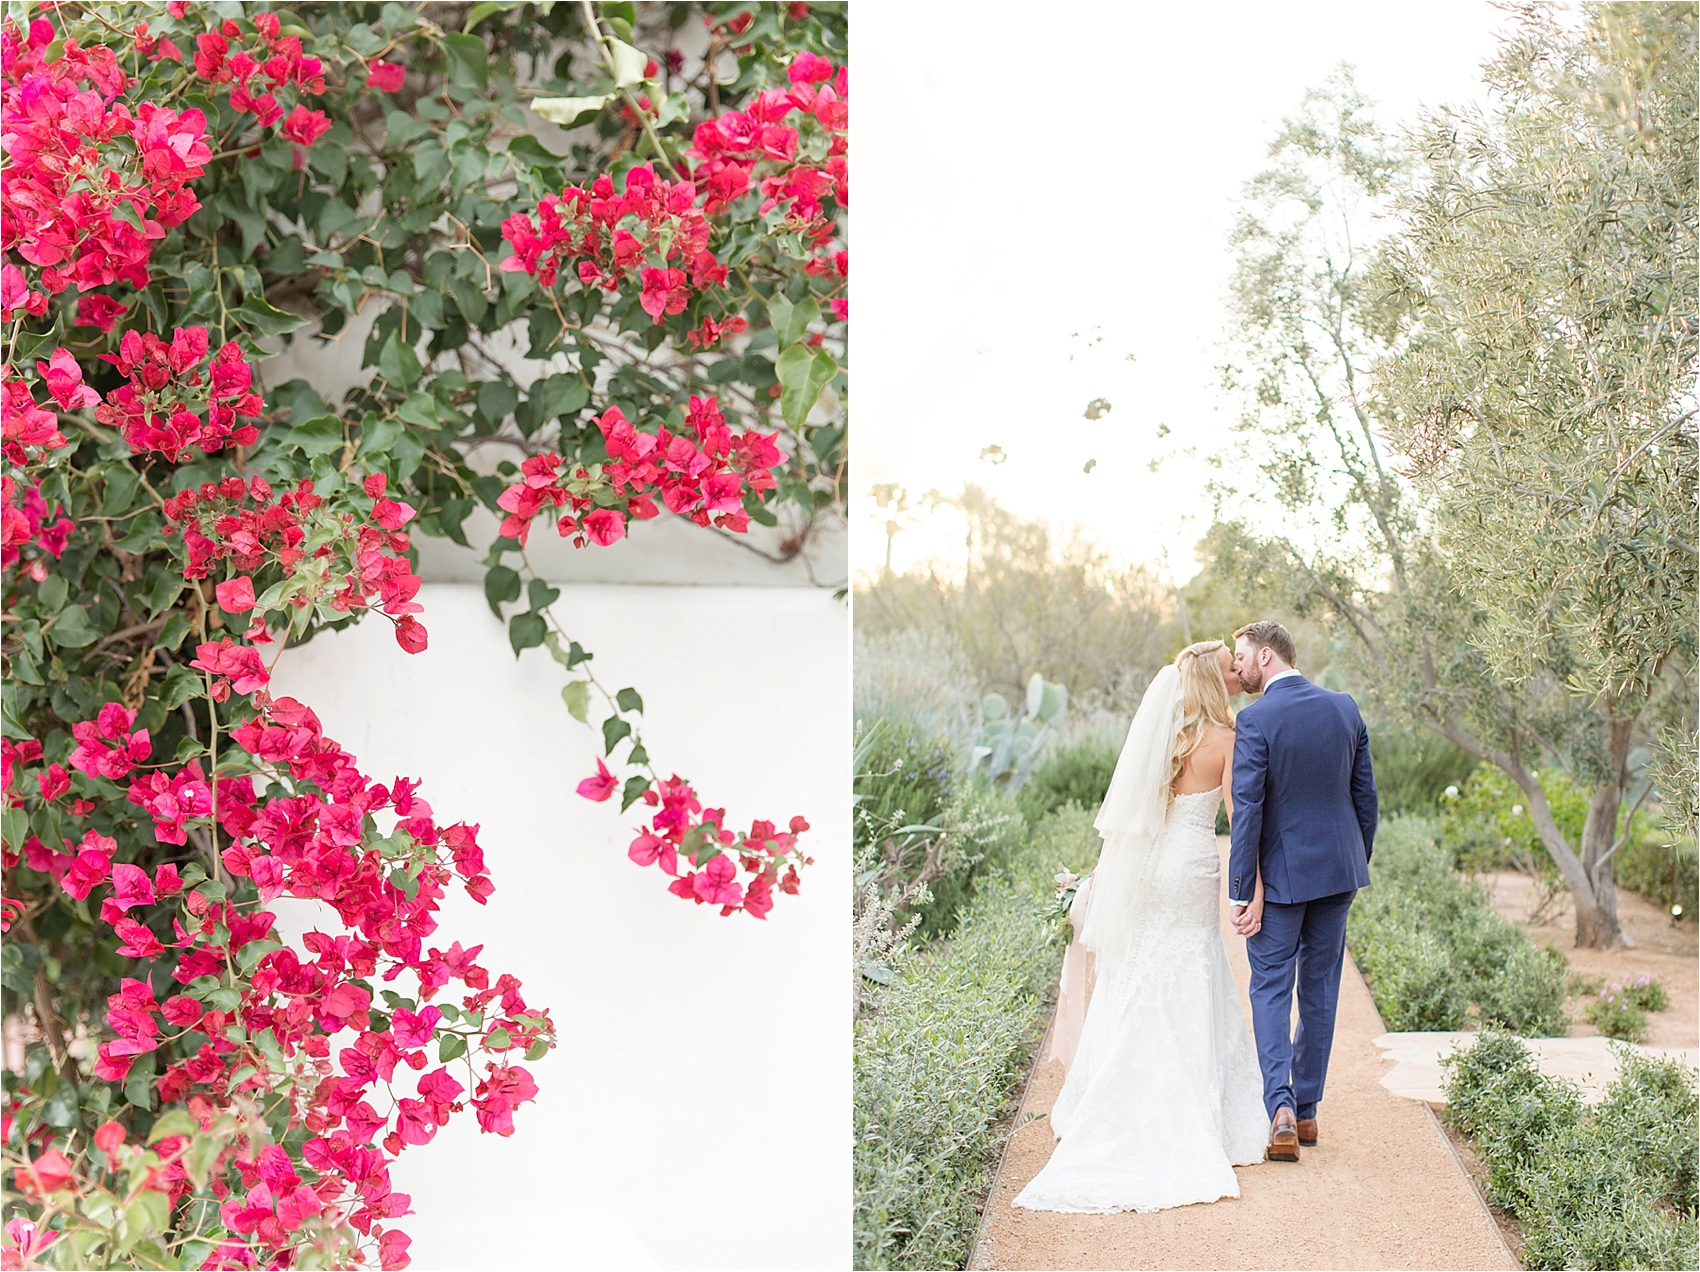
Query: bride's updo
column 1204, row 699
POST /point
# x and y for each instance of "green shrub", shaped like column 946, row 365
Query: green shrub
column 1431, row 945
column 1414, row 768
column 1585, row 1206
column 906, row 778
column 1614, row 1188
column 1487, row 826
column 1663, row 873
column 1526, row 993
column 1077, row 774
column 982, row 829
column 1646, row 993
column 940, row 1055
column 1414, row 983
column 1652, row 1112
column 1497, row 1096
column 1616, row 1014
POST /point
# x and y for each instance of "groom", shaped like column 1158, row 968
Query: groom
column 1305, row 815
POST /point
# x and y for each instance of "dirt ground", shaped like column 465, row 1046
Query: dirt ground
column 1669, row 952
column 1382, row 1189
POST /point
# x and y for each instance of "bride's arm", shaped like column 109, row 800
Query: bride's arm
column 1228, row 778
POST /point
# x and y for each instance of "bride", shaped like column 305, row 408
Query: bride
column 1164, row 1097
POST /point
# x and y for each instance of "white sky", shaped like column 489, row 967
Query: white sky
column 1024, row 173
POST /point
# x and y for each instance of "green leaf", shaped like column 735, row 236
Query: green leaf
column 500, row 584
column 576, row 655
column 318, row 436
column 143, row 533
column 496, row 400
column 576, row 694
column 420, row 409
column 634, row 789
column 566, row 111
column 138, row 1087
column 377, row 437
column 537, row 1050
column 200, row 1158
column 484, row 9
column 613, row 729
column 253, row 227
column 54, row 591
column 527, row 149
column 16, row 822
column 629, row 700
column 525, row 631
column 173, row 1122
column 628, row 64
column 498, row 1038
column 449, row 1047
column 125, row 211
column 121, row 486
column 73, row 630
column 796, row 319
column 802, row 376
column 165, row 591
column 398, row 363
column 541, row 595
column 268, row 319
column 469, row 60
column 181, row 683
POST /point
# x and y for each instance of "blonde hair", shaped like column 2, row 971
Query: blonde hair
column 1204, row 698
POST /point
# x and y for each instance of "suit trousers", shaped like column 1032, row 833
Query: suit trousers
column 1302, row 944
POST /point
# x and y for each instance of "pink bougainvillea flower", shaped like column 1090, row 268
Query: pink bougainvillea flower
column 386, row 77
column 131, row 886
column 605, row 526
column 99, row 310
column 392, row 514
column 54, row 782
column 64, row 378
column 28, row 1241
column 716, row 883
column 304, row 126
column 139, row 942
column 411, row 635
column 412, row 1030
column 809, row 68
column 600, row 786
column 236, row 596
column 182, row 1010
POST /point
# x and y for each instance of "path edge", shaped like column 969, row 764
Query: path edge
column 1440, row 1132
column 1003, row 1152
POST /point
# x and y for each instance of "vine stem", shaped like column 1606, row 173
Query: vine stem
column 594, row 23
column 589, row 675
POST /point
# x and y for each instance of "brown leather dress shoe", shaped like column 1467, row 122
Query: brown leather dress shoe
column 1283, row 1137
column 1307, row 1131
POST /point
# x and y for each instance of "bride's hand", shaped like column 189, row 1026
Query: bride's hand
column 1251, row 922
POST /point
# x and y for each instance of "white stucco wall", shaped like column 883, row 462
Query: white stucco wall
column 697, row 1112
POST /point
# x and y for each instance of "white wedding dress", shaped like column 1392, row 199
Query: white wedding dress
column 1164, row 1097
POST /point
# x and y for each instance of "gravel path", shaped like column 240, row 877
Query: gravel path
column 1382, row 1189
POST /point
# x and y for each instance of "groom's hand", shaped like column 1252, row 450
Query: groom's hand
column 1245, row 922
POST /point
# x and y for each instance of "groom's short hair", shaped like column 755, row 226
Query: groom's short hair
column 1266, row 633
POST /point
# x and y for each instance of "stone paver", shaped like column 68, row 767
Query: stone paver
column 1588, row 1062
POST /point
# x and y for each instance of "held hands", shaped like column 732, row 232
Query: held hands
column 1248, row 919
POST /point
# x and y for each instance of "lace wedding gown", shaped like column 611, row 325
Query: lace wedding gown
column 1164, row 1097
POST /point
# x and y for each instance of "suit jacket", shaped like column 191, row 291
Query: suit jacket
column 1304, row 795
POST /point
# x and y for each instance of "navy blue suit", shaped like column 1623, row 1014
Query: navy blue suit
column 1305, row 813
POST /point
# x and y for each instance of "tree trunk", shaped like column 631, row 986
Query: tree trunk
column 1589, row 875
column 1600, row 929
